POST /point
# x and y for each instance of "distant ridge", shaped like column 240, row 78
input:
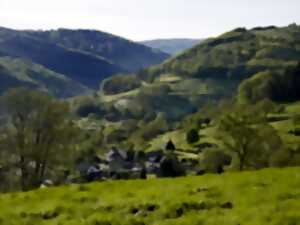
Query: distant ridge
column 172, row 46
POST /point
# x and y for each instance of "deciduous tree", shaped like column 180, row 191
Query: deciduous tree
column 39, row 137
column 246, row 133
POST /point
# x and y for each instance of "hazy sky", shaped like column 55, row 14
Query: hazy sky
column 148, row 19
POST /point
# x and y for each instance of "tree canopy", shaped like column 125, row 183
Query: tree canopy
column 38, row 138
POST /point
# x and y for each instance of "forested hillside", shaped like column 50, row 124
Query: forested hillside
column 247, row 66
column 84, row 56
column 216, row 67
column 16, row 72
column 128, row 55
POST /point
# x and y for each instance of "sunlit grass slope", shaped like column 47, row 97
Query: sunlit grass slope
column 270, row 196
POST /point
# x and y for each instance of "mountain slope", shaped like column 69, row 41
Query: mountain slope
column 208, row 72
column 23, row 73
column 83, row 67
column 172, row 46
column 239, row 53
column 128, row 55
column 85, row 56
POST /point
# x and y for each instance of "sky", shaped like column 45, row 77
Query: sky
column 149, row 19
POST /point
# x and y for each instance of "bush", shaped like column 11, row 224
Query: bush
column 154, row 128
column 281, row 158
column 192, row 136
column 170, row 146
column 214, row 161
column 84, row 106
column 116, row 137
column 170, row 167
column 295, row 132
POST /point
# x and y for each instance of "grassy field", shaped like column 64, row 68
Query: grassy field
column 270, row 196
column 207, row 134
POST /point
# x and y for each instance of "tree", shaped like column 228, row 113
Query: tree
column 39, row 138
column 192, row 136
column 170, row 146
column 170, row 167
column 247, row 135
column 84, row 106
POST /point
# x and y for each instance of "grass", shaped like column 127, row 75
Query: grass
column 178, row 86
column 285, row 126
column 207, row 134
column 179, row 139
column 270, row 196
column 169, row 78
column 112, row 98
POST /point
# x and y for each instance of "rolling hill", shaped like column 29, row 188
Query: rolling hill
column 172, row 46
column 84, row 56
column 127, row 55
column 80, row 66
column 209, row 71
column 16, row 72
column 238, row 54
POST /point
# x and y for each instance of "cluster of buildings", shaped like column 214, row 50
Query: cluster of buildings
column 119, row 164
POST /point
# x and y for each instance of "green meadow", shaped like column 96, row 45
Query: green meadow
column 270, row 196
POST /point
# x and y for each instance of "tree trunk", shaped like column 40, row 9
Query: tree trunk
column 242, row 162
column 24, row 174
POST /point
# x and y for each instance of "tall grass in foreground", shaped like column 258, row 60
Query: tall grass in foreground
column 270, row 196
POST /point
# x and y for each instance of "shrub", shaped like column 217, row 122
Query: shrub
column 192, row 136
column 84, row 106
column 150, row 130
column 281, row 158
column 170, row 167
column 295, row 132
column 214, row 161
column 170, row 146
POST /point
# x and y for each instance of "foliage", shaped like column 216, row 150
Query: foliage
column 83, row 67
column 24, row 73
column 40, row 136
column 192, row 136
column 120, row 83
column 170, row 146
column 148, row 130
column 245, row 133
column 84, row 106
column 279, row 87
column 128, row 55
column 238, row 54
column 211, row 71
column 214, row 160
column 170, row 167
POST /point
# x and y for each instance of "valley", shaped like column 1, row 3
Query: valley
column 99, row 130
